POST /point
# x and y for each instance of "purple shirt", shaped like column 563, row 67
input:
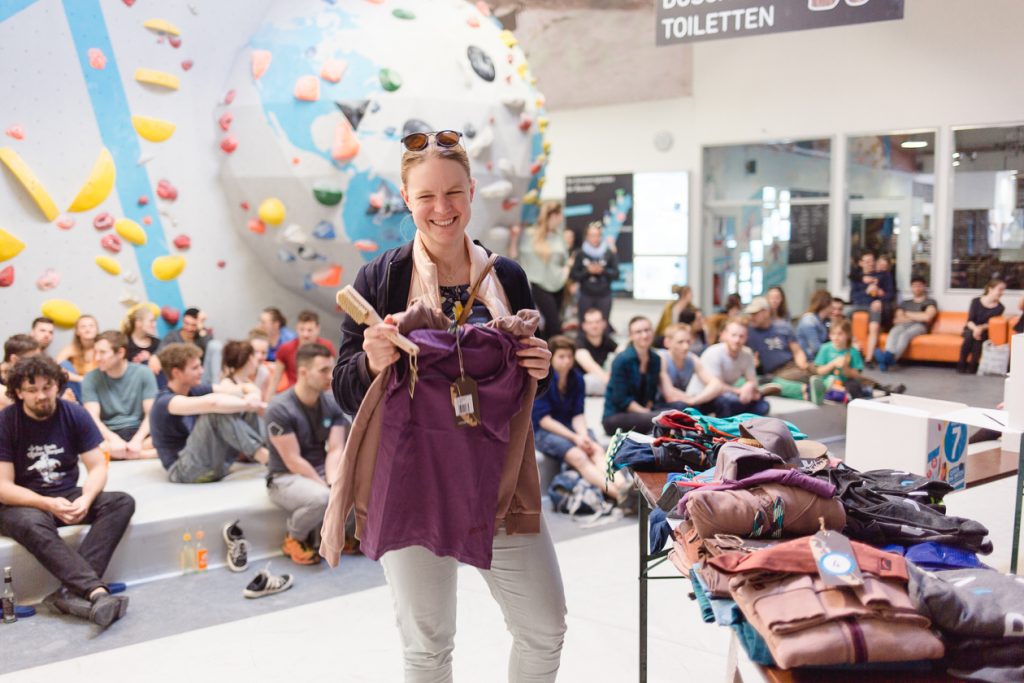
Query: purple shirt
column 434, row 484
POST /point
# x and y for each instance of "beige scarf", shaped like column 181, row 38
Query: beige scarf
column 425, row 286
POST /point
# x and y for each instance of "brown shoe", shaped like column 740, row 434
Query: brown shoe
column 770, row 389
column 299, row 552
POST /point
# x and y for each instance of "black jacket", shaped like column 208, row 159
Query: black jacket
column 385, row 282
column 594, row 285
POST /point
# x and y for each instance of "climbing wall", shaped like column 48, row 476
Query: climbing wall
column 239, row 153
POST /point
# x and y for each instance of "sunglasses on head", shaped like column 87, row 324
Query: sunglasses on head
column 417, row 142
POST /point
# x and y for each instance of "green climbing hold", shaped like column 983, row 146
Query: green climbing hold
column 328, row 195
column 390, row 80
column 403, row 14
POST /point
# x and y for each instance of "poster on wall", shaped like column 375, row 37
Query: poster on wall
column 691, row 21
column 808, row 242
column 661, row 217
column 607, row 199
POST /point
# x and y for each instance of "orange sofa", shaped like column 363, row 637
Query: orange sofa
column 941, row 343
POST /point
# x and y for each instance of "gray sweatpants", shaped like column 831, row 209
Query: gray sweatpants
column 901, row 335
column 215, row 442
column 304, row 499
column 525, row 581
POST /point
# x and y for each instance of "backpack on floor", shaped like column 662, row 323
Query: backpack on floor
column 995, row 359
column 571, row 494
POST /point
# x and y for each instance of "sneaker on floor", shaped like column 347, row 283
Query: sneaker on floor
column 299, row 552
column 266, row 583
column 107, row 608
column 770, row 389
column 880, row 358
column 238, row 547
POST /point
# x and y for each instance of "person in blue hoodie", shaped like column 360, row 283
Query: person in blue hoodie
column 871, row 290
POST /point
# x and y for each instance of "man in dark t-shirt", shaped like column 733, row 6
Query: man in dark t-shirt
column 593, row 346
column 307, row 432
column 42, row 439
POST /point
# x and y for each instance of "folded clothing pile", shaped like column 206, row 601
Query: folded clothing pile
column 980, row 613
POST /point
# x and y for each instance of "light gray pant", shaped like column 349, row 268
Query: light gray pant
column 214, row 443
column 305, row 500
column 595, row 384
column 524, row 579
column 900, row 337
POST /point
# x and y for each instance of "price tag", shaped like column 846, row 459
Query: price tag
column 466, row 402
column 833, row 554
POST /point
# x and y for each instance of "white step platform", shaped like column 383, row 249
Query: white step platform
column 151, row 547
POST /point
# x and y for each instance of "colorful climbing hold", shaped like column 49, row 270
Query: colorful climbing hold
column 97, row 59
column 294, row 235
column 229, row 97
column 324, row 231
column 130, row 231
column 229, row 144
column 103, row 221
column 98, row 185
column 147, row 220
column 142, row 200
column 354, row 111
column 167, row 267
column 186, row 65
column 402, row 14
column 62, row 312
column 164, row 190
column 16, row 131
column 473, row 22
column 65, row 222
column 542, row 123
column 327, row 194
column 307, row 88
column 328, row 277
column 170, row 314
column 48, row 280
column 225, row 121
column 221, row 263
column 308, row 253
column 531, row 197
column 162, row 26
column 154, row 130
column 259, row 61
column 257, row 226
column 7, row 276
column 333, row 70
column 365, row 245
column 481, row 63
column 130, row 277
column 182, row 242
column 111, row 243
column 16, row 165
column 390, row 80
column 158, row 78
column 10, row 246
column 109, row 264
column 175, row 41
column 345, row 145
column 509, row 204
column 525, row 122
column 285, row 256
column 272, row 211
column 244, row 206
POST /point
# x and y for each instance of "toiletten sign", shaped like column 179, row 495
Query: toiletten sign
column 691, row 21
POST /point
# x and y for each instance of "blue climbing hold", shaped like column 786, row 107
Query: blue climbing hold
column 324, row 231
column 285, row 256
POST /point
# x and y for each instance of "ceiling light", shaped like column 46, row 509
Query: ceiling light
column 956, row 163
column 913, row 144
column 956, row 155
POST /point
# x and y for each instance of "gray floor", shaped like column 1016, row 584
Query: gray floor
column 182, row 604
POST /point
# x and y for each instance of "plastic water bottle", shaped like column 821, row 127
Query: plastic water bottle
column 201, row 552
column 7, row 598
column 188, row 555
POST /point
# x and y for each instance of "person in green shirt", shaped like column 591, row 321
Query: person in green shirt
column 837, row 361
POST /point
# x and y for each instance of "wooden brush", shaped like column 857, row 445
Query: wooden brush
column 353, row 303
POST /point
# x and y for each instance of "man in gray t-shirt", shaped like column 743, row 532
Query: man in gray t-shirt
column 912, row 318
column 119, row 394
column 730, row 361
column 307, row 433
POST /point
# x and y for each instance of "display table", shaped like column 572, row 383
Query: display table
column 740, row 668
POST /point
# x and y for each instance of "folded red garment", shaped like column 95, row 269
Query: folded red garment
column 795, row 557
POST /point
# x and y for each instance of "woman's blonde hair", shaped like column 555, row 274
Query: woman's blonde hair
column 541, row 247
column 412, row 159
column 135, row 316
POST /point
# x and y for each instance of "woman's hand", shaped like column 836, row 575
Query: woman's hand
column 536, row 357
column 380, row 350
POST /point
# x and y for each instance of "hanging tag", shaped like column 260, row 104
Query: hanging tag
column 466, row 402
column 833, row 554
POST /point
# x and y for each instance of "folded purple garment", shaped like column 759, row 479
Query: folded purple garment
column 785, row 477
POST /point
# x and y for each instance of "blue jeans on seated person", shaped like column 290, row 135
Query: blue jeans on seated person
column 554, row 446
column 80, row 571
column 729, row 404
column 215, row 442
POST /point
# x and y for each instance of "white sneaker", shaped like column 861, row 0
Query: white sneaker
column 266, row 583
column 238, row 547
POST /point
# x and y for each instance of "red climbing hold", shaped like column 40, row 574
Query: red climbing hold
column 143, row 200
column 7, row 276
column 186, row 65
column 170, row 314
column 229, row 144
column 175, row 41
column 182, row 242
column 164, row 190
column 257, row 226
column 245, row 206
column 225, row 120
column 111, row 243
column 221, row 263
column 103, row 221
column 229, row 97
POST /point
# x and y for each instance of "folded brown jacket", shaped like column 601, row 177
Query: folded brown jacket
column 766, row 511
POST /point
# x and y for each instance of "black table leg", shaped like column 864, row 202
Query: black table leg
column 642, row 523
column 1015, row 546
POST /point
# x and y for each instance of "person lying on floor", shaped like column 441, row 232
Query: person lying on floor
column 198, row 430
column 42, row 439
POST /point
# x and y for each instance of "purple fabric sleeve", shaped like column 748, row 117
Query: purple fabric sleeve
column 785, row 477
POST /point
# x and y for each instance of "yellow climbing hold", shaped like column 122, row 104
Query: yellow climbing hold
column 130, row 231
column 531, row 197
column 154, row 130
column 162, row 26
column 62, row 312
column 542, row 123
column 507, row 38
column 10, row 246
column 154, row 77
column 109, row 264
column 28, row 180
column 98, row 185
column 272, row 211
column 167, row 267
